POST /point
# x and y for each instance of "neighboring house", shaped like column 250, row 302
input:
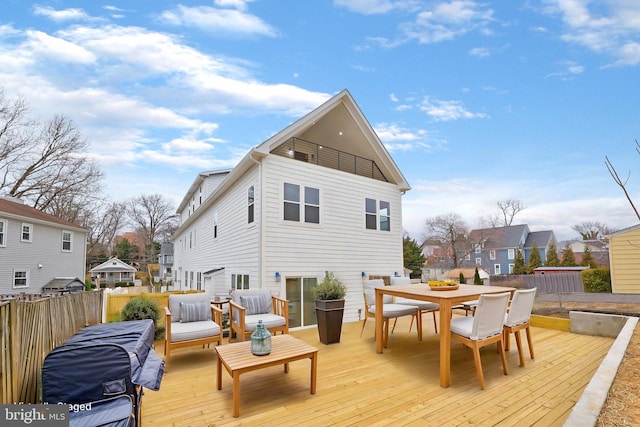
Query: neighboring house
column 165, row 261
column 437, row 271
column 494, row 249
column 36, row 248
column 321, row 195
column 599, row 250
column 113, row 271
column 624, row 253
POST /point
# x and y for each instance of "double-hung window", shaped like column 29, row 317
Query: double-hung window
column 511, row 254
column 239, row 281
column 377, row 215
column 26, row 234
column 3, row 232
column 301, row 203
column 67, row 240
column 20, row 278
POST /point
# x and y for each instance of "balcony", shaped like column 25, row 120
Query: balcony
column 310, row 152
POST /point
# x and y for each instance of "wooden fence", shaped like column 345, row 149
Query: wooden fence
column 546, row 283
column 32, row 326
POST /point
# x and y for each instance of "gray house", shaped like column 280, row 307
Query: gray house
column 36, row 248
column 494, row 249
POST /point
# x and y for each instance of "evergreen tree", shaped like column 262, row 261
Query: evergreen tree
column 535, row 260
column 587, row 258
column 461, row 279
column 518, row 264
column 126, row 251
column 568, row 259
column 476, row 278
column 552, row 256
column 413, row 258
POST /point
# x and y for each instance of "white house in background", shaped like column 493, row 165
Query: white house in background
column 36, row 248
column 321, row 195
column 113, row 271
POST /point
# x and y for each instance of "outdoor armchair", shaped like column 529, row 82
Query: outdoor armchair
column 191, row 320
column 483, row 329
column 390, row 310
column 248, row 306
column 517, row 319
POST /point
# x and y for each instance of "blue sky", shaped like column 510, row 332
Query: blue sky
column 475, row 101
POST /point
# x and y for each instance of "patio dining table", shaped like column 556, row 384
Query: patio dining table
column 447, row 300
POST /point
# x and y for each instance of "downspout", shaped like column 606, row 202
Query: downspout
column 261, row 273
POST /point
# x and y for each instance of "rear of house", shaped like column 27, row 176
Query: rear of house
column 624, row 252
column 321, row 195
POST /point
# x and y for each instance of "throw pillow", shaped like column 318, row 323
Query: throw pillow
column 193, row 312
column 255, row 304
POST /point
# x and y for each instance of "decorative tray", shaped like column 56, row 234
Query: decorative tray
column 444, row 288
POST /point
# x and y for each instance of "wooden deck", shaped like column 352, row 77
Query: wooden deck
column 358, row 387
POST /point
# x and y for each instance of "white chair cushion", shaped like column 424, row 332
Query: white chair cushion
column 422, row 305
column 462, row 326
column 269, row 320
column 193, row 330
column 394, row 310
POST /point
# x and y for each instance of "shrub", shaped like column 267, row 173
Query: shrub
column 461, row 279
column 330, row 288
column 140, row 308
column 597, row 280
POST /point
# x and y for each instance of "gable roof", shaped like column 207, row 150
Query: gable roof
column 339, row 114
column 112, row 265
column 542, row 239
column 499, row 237
column 15, row 208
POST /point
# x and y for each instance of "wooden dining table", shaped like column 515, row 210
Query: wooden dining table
column 447, row 299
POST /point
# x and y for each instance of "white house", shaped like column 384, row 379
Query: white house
column 36, row 248
column 113, row 271
column 321, row 195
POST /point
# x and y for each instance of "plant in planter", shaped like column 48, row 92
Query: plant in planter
column 329, row 301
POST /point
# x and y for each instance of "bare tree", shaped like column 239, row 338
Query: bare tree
column 592, row 230
column 102, row 223
column 622, row 184
column 150, row 214
column 45, row 164
column 510, row 208
column 451, row 230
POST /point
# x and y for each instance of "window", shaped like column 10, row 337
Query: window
column 294, row 202
column 478, row 249
column 478, row 261
column 3, row 232
column 250, row 205
column 467, row 257
column 239, row 281
column 215, row 225
column 27, row 232
column 511, row 254
column 20, row 278
column 377, row 216
column 199, row 281
column 186, row 279
column 511, row 268
column 67, row 239
column 496, row 268
column 492, row 254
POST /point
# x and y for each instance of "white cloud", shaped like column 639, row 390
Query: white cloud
column 444, row 111
column 480, row 52
column 367, row 7
column 72, row 14
column 448, row 20
column 215, row 21
column 611, row 27
column 44, row 45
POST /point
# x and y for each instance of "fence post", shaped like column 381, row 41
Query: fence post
column 14, row 333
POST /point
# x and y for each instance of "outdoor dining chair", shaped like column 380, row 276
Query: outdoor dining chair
column 483, row 329
column 423, row 306
column 518, row 318
column 389, row 309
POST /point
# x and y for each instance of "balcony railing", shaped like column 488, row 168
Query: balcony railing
column 310, row 152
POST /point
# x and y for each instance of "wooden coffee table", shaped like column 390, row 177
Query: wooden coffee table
column 237, row 359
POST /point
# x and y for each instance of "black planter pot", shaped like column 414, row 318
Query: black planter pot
column 329, row 317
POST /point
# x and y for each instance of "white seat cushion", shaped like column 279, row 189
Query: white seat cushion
column 462, row 326
column 269, row 320
column 193, row 330
column 422, row 305
column 394, row 310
